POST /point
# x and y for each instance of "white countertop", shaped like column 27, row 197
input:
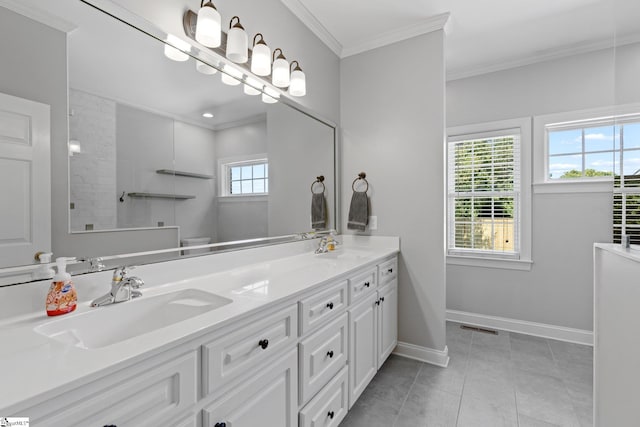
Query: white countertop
column 34, row 367
column 633, row 253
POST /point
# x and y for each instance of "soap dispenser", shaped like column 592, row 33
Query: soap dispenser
column 62, row 297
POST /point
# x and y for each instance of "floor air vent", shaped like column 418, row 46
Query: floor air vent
column 477, row 329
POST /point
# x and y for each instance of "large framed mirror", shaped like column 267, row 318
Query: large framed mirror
column 149, row 153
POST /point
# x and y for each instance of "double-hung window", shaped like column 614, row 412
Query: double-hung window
column 487, row 191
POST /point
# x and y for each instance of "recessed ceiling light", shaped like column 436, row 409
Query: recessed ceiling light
column 207, row 115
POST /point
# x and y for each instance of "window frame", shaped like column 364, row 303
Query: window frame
column 521, row 261
column 574, row 120
column 224, row 168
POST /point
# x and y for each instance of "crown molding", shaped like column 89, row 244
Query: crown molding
column 32, row 11
column 542, row 56
column 429, row 25
column 307, row 18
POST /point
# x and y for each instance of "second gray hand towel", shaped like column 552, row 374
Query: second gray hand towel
column 358, row 211
column 318, row 212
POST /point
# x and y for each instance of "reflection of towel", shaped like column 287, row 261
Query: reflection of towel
column 358, row 211
column 318, row 212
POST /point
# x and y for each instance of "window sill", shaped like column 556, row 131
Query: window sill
column 504, row 264
column 600, row 186
column 238, row 199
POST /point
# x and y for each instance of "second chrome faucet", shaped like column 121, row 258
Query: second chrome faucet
column 123, row 288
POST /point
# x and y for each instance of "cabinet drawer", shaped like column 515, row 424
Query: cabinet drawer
column 322, row 355
column 330, row 406
column 147, row 399
column 387, row 271
column 266, row 399
column 234, row 353
column 321, row 307
column 362, row 285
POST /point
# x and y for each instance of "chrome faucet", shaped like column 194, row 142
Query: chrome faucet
column 327, row 243
column 123, row 288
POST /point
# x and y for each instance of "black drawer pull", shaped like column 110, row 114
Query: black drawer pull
column 220, row 425
column 110, row 425
column 330, row 354
column 378, row 302
column 382, row 299
column 330, row 414
column 263, row 344
column 330, row 306
column 390, row 270
column 367, row 284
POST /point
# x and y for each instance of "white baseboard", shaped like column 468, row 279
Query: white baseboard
column 423, row 354
column 578, row 336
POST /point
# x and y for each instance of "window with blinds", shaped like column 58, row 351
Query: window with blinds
column 626, row 182
column 484, row 191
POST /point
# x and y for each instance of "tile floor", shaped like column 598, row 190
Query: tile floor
column 507, row 379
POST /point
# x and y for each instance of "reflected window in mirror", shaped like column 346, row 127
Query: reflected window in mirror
column 245, row 178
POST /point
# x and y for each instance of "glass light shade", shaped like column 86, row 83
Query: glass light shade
column 205, row 68
column 261, row 60
column 270, row 96
column 281, row 77
column 176, row 53
column 298, row 86
column 250, row 88
column 231, row 76
column 209, row 27
column 237, row 44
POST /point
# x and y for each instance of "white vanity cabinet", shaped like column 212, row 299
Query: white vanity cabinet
column 373, row 329
column 301, row 360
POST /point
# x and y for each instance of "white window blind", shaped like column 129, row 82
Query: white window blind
column 484, row 194
column 626, row 183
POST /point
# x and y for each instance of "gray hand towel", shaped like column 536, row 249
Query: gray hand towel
column 358, row 211
column 318, row 212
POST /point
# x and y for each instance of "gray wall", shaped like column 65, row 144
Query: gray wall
column 299, row 151
column 393, row 129
column 559, row 288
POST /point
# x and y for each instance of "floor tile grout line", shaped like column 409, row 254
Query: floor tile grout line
column 563, row 379
column 407, row 395
column 464, row 378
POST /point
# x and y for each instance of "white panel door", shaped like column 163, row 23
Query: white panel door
column 25, row 180
column 363, row 345
column 387, row 321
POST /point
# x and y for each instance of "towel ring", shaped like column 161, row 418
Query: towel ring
column 319, row 180
column 361, row 176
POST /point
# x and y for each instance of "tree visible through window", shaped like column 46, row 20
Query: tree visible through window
column 483, row 193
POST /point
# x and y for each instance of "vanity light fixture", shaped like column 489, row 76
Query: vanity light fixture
column 209, row 27
column 270, row 96
column 280, row 76
column 231, row 76
column 260, row 57
column 298, row 86
column 207, row 115
column 250, row 85
column 237, row 42
column 176, row 48
column 205, row 68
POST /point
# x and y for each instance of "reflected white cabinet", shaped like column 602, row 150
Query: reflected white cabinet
column 268, row 399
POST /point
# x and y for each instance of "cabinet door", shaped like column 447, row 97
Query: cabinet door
column 387, row 321
column 363, row 345
column 268, row 399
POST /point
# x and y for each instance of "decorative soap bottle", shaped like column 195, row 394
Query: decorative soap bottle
column 62, row 297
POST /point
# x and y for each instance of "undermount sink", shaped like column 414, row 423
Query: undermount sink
column 111, row 324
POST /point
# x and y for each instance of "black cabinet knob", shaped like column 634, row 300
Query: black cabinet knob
column 111, row 425
column 330, row 306
column 367, row 284
column 330, row 354
column 377, row 302
column 390, row 270
column 263, row 344
column 330, row 414
column 220, row 425
column 382, row 299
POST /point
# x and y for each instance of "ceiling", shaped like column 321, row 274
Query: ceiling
column 481, row 36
